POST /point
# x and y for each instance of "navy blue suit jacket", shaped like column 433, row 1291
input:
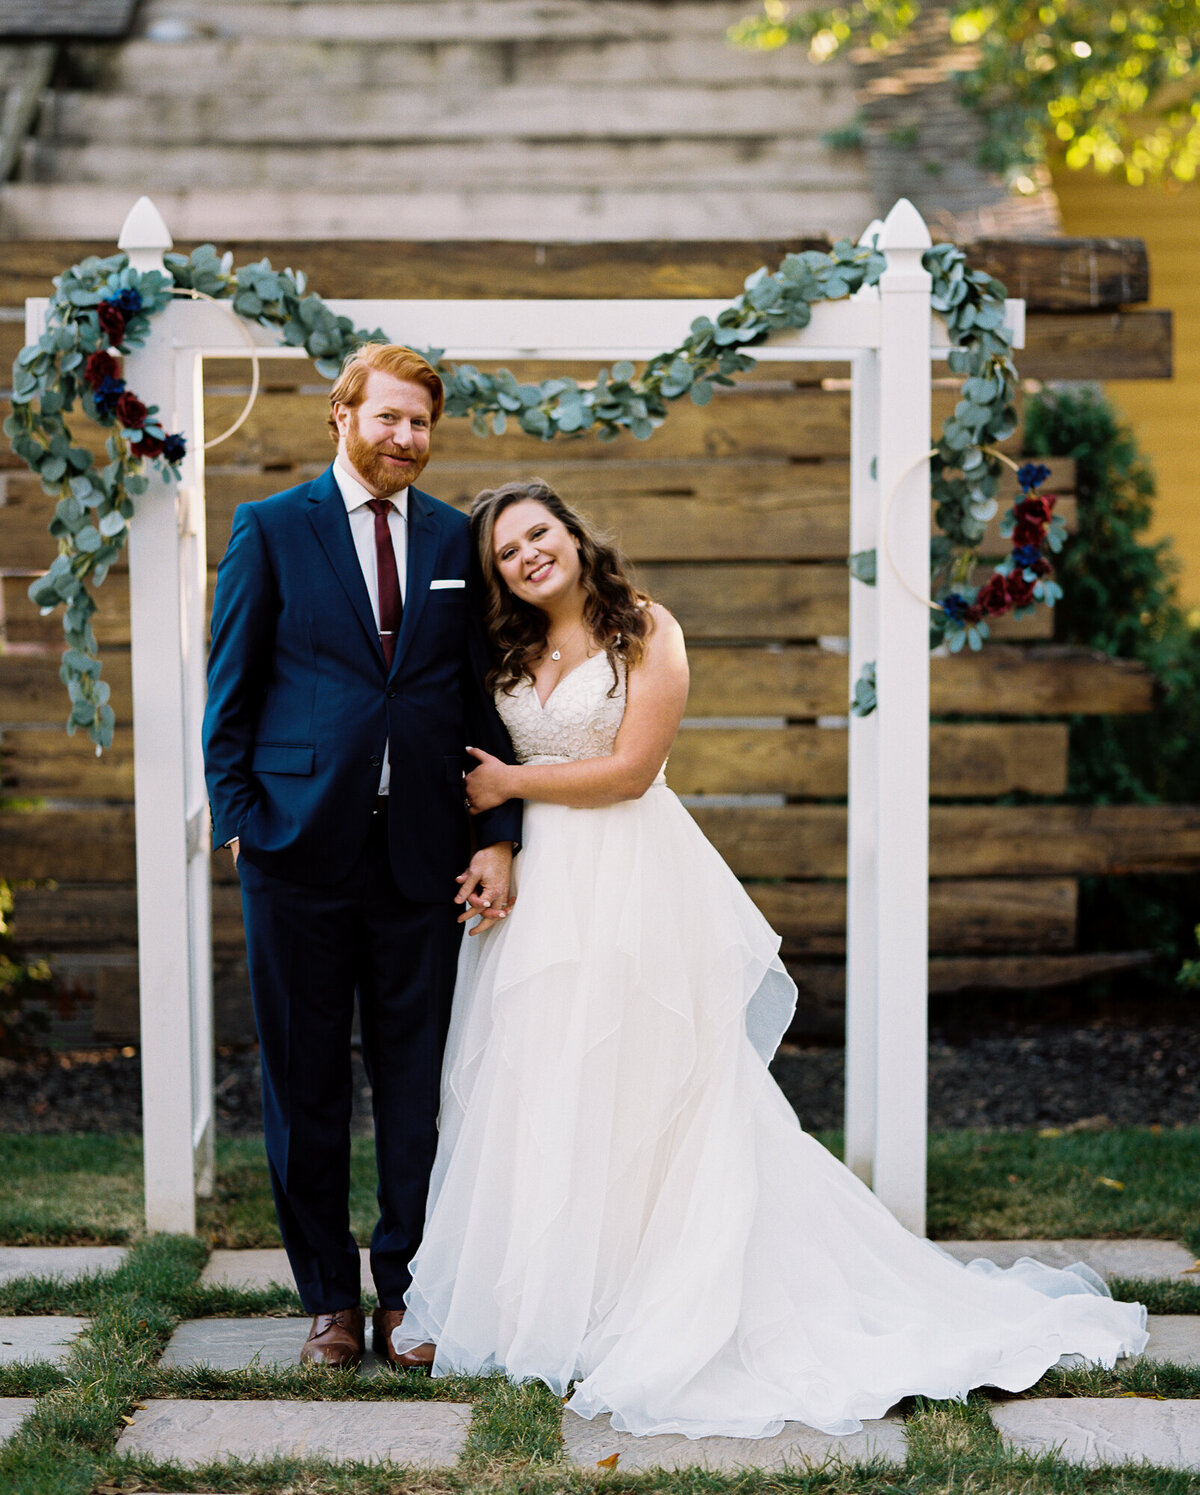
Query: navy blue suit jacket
column 300, row 704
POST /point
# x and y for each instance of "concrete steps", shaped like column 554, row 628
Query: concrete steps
column 71, row 211
column 654, row 165
column 565, row 119
column 199, row 64
column 518, row 112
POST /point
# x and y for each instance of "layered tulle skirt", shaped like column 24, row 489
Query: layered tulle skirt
column 623, row 1198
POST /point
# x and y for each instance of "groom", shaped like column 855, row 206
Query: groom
column 345, row 680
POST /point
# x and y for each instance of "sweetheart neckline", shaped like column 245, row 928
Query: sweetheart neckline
column 542, row 705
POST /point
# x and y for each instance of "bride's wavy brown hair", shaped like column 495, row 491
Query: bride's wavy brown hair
column 616, row 614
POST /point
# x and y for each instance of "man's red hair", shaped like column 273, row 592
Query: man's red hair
column 392, row 358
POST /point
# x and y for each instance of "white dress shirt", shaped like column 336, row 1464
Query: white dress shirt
column 362, row 532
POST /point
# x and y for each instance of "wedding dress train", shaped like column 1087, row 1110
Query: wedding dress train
column 622, row 1196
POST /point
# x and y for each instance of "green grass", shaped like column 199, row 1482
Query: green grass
column 66, row 1190
column 1018, row 1185
column 75, row 1189
column 982, row 1185
column 514, row 1445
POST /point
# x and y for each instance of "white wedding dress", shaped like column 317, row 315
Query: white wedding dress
column 622, row 1196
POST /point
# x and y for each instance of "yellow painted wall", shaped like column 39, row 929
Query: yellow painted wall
column 1165, row 414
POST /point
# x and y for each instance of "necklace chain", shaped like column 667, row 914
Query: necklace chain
column 557, row 653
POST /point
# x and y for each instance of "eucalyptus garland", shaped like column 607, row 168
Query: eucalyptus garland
column 102, row 308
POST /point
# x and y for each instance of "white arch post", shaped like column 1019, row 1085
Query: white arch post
column 887, row 894
column 888, row 336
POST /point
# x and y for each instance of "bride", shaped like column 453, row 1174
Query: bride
column 622, row 1197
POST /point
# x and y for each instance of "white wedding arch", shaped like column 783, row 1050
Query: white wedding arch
column 888, row 334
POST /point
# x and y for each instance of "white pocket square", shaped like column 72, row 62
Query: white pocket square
column 445, row 582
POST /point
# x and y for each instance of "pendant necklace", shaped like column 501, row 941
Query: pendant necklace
column 557, row 653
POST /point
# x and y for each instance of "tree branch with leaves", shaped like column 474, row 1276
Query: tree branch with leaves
column 1114, row 87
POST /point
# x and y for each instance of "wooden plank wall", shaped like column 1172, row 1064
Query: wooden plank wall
column 736, row 517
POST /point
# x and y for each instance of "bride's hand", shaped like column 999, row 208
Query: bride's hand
column 487, row 786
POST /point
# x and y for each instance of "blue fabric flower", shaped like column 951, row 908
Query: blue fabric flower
column 129, row 300
column 1032, row 475
column 174, row 448
column 1026, row 555
column 955, row 606
column 107, row 393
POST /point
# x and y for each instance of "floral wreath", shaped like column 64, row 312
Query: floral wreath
column 103, row 307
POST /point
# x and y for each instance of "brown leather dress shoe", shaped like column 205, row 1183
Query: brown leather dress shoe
column 383, row 1321
column 334, row 1339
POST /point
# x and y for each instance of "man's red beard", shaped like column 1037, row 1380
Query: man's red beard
column 378, row 474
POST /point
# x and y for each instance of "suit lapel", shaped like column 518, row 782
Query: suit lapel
column 423, row 537
column 327, row 515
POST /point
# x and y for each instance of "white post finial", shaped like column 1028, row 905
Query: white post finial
column 904, row 228
column 145, row 237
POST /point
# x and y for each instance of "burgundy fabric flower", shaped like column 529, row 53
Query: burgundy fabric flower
column 148, row 446
column 112, row 320
column 1020, row 591
column 1032, row 517
column 131, row 412
column 1028, row 532
column 1036, row 507
column 99, row 367
column 992, row 599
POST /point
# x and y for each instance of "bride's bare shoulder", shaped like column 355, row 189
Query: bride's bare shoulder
column 662, row 622
column 664, row 642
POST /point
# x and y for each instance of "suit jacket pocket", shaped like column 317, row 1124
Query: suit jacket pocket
column 283, row 757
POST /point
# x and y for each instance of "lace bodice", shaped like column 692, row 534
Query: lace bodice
column 579, row 720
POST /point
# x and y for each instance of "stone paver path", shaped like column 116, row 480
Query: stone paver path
column 1174, row 1336
column 428, row 1434
column 41, row 1338
column 236, row 1344
column 13, row 1412
column 1108, row 1258
column 588, row 1441
column 58, row 1261
column 260, row 1268
column 1105, row 1430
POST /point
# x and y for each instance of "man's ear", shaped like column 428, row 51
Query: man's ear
column 341, row 416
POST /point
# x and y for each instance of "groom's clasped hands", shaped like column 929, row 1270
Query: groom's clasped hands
column 486, row 886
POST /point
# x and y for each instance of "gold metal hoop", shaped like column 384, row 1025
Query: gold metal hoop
column 254, row 357
column 928, row 602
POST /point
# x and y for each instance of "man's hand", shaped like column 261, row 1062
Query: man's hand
column 235, row 846
column 484, row 888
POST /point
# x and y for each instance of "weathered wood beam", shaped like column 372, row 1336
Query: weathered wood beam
column 979, row 915
column 1050, row 274
column 794, row 841
column 800, row 682
column 975, row 760
column 659, row 511
column 1100, row 345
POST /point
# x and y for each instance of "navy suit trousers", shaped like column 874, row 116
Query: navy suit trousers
column 312, row 948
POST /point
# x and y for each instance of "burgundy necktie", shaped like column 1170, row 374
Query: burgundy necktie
column 391, row 605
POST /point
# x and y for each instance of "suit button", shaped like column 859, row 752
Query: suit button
column 376, row 761
column 392, row 693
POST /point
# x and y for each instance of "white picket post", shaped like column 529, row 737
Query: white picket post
column 902, row 684
column 167, row 619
